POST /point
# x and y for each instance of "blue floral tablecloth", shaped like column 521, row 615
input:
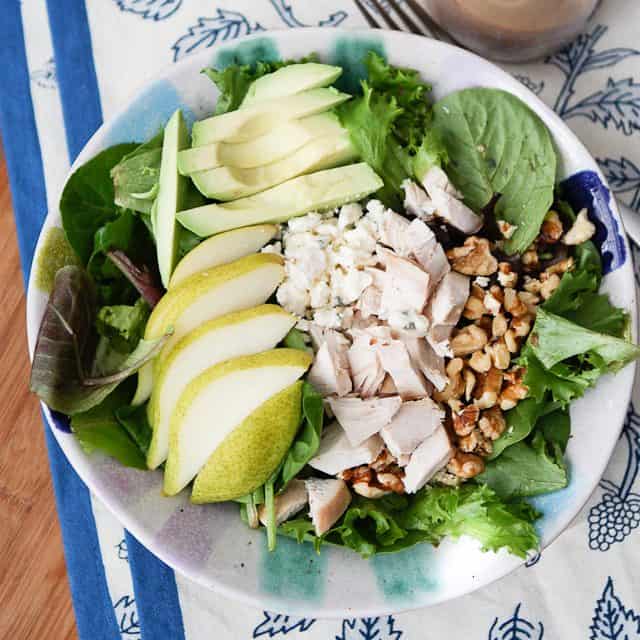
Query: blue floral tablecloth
column 67, row 64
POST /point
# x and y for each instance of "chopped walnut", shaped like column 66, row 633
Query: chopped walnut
column 561, row 266
column 551, row 230
column 532, row 285
column 492, row 423
column 513, row 303
column 512, row 393
column 581, row 231
column 512, row 342
column 521, row 326
column 507, row 277
column 369, row 491
column 499, row 326
column 455, row 385
column 465, row 465
column 506, row 228
column 446, row 478
column 474, row 258
column 465, row 420
column 468, row 339
column 474, row 308
column 500, row 355
column 391, row 481
column 492, row 303
column 469, row 383
column 480, row 361
column 487, row 388
column 531, row 301
column 550, row 284
column 530, row 259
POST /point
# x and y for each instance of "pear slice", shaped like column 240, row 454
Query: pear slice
column 223, row 248
column 238, row 285
column 230, row 336
column 218, row 401
column 248, row 456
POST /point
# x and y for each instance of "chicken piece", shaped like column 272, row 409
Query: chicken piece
column 395, row 360
column 371, row 298
column 428, row 252
column 406, row 287
column 416, row 201
column 392, row 231
column 367, row 373
column 425, row 359
column 413, row 423
column 288, row 503
column 445, row 309
column 328, row 500
column 431, row 456
column 329, row 373
column 336, row 453
column 446, row 202
column 360, row 418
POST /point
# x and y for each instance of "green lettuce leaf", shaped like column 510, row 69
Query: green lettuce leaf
column 123, row 325
column 295, row 340
column 598, row 314
column 87, row 201
column 136, row 424
column 526, row 469
column 520, row 423
column 497, row 146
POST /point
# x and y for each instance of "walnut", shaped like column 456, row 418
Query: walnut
column 455, row 385
column 530, row 259
column 473, row 258
column 369, row 491
column 561, row 266
column 499, row 326
column 506, row 228
column 465, row 420
column 551, row 230
column 492, row 302
column 454, row 366
column 492, row 423
column 532, row 285
column 469, row 383
column 484, row 323
column 581, row 231
column 512, row 394
column 513, row 303
column 470, row 443
column 531, row 300
column 468, row 339
column 480, row 361
column 383, row 461
column 507, row 277
column 521, row 326
column 474, row 308
column 512, row 342
column 465, row 465
column 550, row 284
column 392, row 481
column 488, row 388
column 500, row 355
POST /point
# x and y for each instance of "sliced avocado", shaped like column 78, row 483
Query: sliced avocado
column 290, row 80
column 226, row 183
column 247, row 124
column 312, row 192
column 270, row 147
column 171, row 195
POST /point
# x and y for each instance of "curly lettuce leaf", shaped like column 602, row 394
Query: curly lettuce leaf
column 123, row 325
column 497, row 146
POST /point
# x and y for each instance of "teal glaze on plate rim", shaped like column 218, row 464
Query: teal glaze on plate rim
column 208, row 543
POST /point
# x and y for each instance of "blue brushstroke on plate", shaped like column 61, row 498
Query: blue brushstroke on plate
column 61, row 421
column 260, row 49
column 585, row 189
column 147, row 114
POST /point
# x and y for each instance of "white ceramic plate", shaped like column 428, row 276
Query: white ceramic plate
column 210, row 544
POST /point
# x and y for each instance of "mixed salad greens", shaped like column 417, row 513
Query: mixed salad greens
column 283, row 143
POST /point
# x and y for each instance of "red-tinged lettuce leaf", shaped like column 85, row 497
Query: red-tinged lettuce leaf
column 142, row 278
column 66, row 344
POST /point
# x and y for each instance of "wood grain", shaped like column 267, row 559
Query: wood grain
column 34, row 592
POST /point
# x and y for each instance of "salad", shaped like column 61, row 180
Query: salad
column 362, row 317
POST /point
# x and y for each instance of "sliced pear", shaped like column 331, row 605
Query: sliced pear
column 229, row 336
column 246, row 458
column 145, row 385
column 228, row 183
column 218, row 401
column 289, row 80
column 223, row 248
column 274, row 145
column 247, row 124
column 238, row 285
column 317, row 191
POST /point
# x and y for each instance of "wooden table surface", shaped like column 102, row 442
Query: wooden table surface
column 34, row 593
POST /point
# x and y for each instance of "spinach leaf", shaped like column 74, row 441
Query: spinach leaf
column 87, row 202
column 295, row 340
column 136, row 423
column 307, row 440
column 497, row 146
column 123, row 325
column 98, row 429
column 520, row 423
column 556, row 427
column 526, row 469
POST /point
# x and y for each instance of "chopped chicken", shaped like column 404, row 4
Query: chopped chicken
column 411, row 425
column 336, row 453
column 425, row 359
column 288, row 503
column 367, row 373
column 328, row 500
column 360, row 418
column 330, row 371
column 393, row 231
column 395, row 360
column 416, row 201
column 428, row 252
column 431, row 456
column 445, row 310
column 371, row 298
column 406, row 286
column 446, row 202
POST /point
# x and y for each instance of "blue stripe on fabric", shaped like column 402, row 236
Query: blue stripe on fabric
column 75, row 71
column 19, row 135
column 154, row 584
column 95, row 616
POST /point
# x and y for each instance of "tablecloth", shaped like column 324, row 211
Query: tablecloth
column 65, row 65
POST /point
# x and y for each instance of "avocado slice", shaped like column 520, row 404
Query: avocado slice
column 226, row 183
column 312, row 192
column 247, row 124
column 290, row 80
column 274, row 145
column 172, row 195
